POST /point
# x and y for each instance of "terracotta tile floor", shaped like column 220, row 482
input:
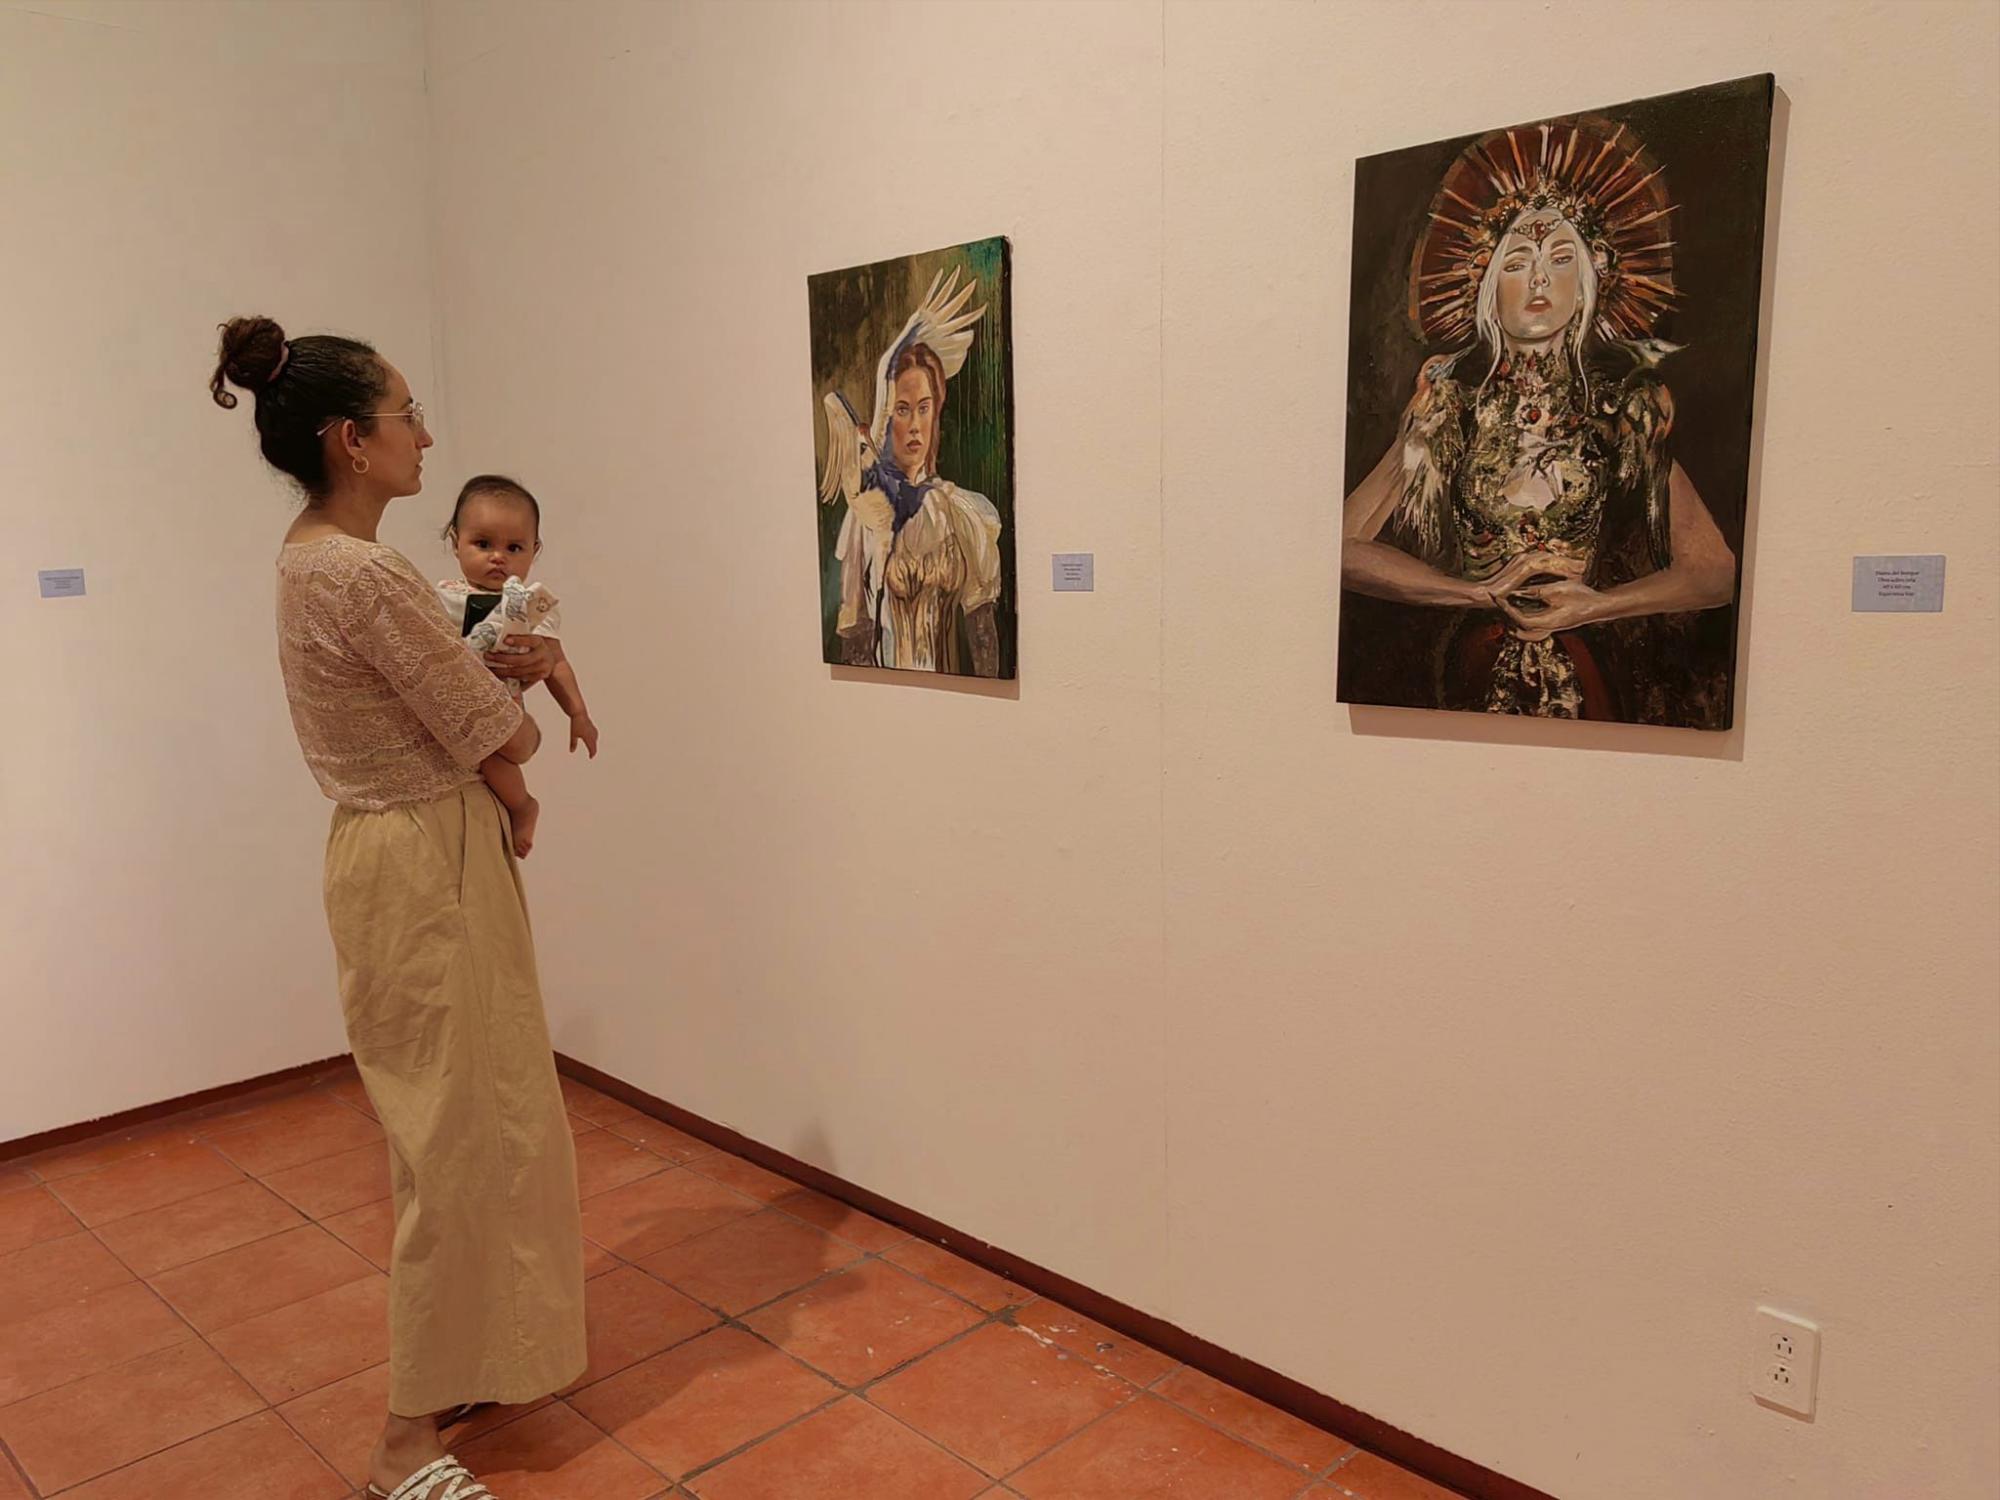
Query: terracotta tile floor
column 194, row 1311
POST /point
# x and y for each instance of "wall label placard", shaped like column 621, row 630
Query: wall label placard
column 1075, row 572
column 1899, row 585
column 61, row 583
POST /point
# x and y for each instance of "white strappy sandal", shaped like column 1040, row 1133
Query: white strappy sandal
column 423, row 1485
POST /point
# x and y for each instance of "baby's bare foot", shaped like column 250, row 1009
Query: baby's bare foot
column 524, row 827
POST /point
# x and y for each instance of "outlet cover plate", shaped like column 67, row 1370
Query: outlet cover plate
column 1784, row 1368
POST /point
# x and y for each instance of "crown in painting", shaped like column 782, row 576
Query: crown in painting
column 1588, row 171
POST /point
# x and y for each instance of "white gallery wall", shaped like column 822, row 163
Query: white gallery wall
column 908, row 931
column 1570, row 1048
column 1483, row 1075
column 164, row 166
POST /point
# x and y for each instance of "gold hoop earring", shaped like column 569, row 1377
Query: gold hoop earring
column 361, row 464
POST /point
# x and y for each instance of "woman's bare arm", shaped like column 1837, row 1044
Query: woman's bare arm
column 1385, row 572
column 1702, row 575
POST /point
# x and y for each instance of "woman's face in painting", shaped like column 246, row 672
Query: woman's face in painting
column 912, row 421
column 1540, row 276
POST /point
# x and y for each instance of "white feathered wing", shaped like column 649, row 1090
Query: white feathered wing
column 941, row 324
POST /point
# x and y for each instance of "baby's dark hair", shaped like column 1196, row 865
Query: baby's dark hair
column 493, row 484
column 300, row 386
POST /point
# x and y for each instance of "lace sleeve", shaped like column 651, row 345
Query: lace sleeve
column 394, row 621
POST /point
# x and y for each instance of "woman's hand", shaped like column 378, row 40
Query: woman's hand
column 1702, row 575
column 528, row 666
column 1543, row 565
column 1561, row 600
column 1563, row 605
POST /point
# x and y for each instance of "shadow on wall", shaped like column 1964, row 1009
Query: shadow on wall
column 936, row 682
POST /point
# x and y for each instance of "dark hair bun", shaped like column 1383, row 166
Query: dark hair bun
column 252, row 351
column 299, row 384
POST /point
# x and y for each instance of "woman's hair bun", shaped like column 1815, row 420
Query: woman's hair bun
column 252, row 351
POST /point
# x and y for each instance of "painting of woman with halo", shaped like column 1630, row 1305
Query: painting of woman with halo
column 1532, row 537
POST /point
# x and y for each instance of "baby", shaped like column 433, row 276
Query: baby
column 496, row 529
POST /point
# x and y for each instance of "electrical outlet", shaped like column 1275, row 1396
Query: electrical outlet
column 1784, row 1370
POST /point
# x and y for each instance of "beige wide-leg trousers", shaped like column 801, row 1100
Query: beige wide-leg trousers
column 444, row 1013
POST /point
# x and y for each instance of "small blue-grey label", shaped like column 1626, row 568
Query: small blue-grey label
column 1899, row 584
column 61, row 583
column 1076, row 572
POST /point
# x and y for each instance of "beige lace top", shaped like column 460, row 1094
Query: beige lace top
column 389, row 705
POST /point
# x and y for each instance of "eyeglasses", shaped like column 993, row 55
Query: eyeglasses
column 413, row 414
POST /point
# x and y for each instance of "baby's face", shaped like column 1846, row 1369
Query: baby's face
column 495, row 541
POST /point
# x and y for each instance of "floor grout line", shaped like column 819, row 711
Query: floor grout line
column 305, row 1221
column 195, row 1335
column 677, row 1485
column 862, row 1391
column 1311, row 1476
column 843, row 1390
column 609, row 1437
column 218, row 1110
column 171, row 1202
column 265, row 1411
column 1019, row 1469
column 841, row 1393
column 20, row 1470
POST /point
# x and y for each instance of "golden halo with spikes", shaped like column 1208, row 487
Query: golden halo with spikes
column 1590, row 171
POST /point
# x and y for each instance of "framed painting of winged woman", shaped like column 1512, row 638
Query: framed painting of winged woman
column 1552, row 351
column 913, row 448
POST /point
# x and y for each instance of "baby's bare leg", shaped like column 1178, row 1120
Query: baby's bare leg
column 510, row 785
